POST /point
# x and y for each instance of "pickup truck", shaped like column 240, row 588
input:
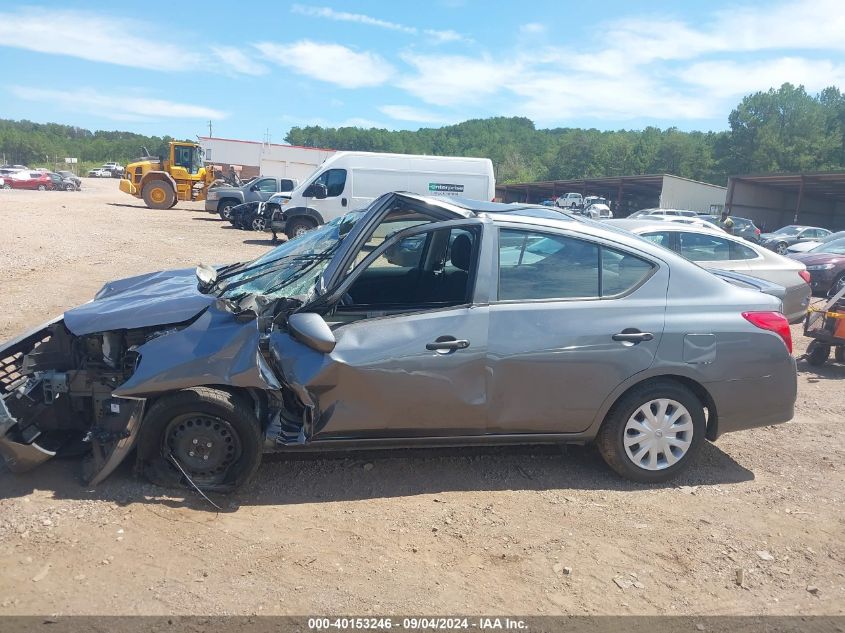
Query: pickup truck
column 222, row 199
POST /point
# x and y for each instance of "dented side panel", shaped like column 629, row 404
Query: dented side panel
column 214, row 350
column 380, row 380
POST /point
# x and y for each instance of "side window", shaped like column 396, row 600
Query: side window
column 286, row 184
column 268, row 185
column 431, row 269
column 740, row 251
column 661, row 238
column 544, row 266
column 335, row 181
column 698, row 247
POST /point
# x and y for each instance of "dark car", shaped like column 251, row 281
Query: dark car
column 69, row 175
column 223, row 199
column 418, row 321
column 61, row 183
column 784, row 237
column 826, row 265
column 743, row 227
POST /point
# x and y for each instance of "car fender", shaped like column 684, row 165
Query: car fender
column 215, row 349
column 289, row 214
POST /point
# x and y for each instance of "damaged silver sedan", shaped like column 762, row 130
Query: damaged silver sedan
column 416, row 321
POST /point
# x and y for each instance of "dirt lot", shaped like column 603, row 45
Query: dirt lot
column 507, row 531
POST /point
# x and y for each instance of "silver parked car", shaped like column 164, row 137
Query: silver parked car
column 418, row 321
column 712, row 248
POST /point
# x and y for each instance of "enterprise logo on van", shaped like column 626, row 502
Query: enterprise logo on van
column 441, row 187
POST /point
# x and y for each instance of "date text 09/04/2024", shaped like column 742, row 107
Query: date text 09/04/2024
column 418, row 623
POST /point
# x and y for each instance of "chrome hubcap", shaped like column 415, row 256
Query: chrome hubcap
column 658, row 434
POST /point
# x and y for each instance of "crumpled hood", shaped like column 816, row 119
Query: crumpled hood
column 161, row 298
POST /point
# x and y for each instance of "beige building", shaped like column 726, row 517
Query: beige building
column 252, row 158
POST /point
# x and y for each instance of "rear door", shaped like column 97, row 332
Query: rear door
column 571, row 320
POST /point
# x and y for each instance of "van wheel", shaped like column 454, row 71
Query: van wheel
column 158, row 195
column 212, row 434
column 653, row 432
column 298, row 226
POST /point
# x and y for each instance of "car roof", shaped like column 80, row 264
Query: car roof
column 639, row 225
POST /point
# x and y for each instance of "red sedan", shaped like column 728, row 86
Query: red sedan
column 28, row 180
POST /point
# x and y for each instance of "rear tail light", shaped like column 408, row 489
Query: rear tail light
column 772, row 321
column 804, row 275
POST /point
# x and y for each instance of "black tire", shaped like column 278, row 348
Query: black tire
column 158, row 194
column 297, row 226
column 817, row 353
column 258, row 223
column 225, row 206
column 42, row 188
column 70, row 187
column 611, row 436
column 167, row 430
column 175, row 200
column 7, row 186
column 839, row 354
column 781, row 248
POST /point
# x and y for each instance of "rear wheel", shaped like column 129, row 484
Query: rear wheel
column 297, row 226
column 839, row 354
column 259, row 223
column 212, row 435
column 653, row 432
column 158, row 195
column 782, row 248
column 817, row 353
column 42, row 188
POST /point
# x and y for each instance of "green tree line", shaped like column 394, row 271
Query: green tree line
column 783, row 129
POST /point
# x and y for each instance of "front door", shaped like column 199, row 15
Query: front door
column 573, row 320
column 411, row 352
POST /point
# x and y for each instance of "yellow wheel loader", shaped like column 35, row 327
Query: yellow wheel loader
column 161, row 183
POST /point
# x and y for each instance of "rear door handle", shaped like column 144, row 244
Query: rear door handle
column 447, row 344
column 632, row 335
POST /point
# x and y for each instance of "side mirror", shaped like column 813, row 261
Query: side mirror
column 310, row 329
column 317, row 190
column 206, row 277
column 254, row 188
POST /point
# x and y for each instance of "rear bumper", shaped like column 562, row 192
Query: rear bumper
column 749, row 403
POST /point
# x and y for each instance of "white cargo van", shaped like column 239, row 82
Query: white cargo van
column 351, row 180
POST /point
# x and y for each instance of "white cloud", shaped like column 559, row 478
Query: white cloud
column 451, row 80
column 532, row 28
column 410, row 113
column 332, row 63
column 732, row 79
column 238, row 61
column 343, row 16
column 122, row 107
column 92, row 37
column 438, row 36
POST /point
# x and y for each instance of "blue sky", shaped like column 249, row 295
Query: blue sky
column 252, row 67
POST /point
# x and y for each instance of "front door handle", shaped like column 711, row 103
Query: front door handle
column 447, row 344
column 633, row 335
column 343, row 202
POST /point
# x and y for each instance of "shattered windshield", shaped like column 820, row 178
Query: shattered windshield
column 289, row 270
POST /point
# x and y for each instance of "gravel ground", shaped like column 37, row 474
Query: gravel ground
column 755, row 527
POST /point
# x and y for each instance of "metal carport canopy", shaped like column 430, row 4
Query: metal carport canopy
column 825, row 184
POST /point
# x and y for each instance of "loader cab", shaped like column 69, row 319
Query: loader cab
column 187, row 156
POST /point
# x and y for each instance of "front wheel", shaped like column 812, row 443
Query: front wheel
column 158, row 195
column 653, row 432
column 224, row 208
column 298, row 226
column 210, row 434
column 782, row 248
column 259, row 223
column 42, row 188
column 70, row 187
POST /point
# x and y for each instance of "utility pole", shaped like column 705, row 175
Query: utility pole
column 209, row 128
